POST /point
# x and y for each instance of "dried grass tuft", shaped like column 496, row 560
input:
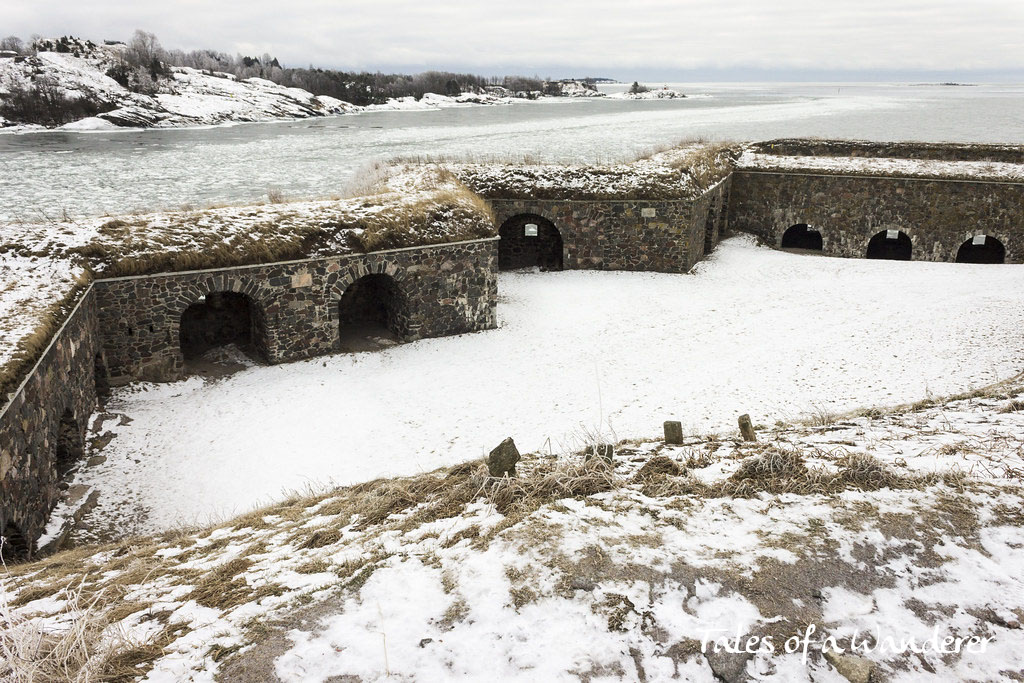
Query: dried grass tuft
column 1013, row 406
column 85, row 646
column 321, row 537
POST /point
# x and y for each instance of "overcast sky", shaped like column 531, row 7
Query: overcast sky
column 659, row 39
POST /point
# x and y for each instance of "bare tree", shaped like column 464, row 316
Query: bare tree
column 144, row 50
column 13, row 44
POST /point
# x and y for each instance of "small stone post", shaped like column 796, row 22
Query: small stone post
column 747, row 429
column 502, row 460
column 605, row 451
column 673, row 432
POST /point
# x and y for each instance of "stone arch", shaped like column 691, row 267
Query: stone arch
column 528, row 241
column 802, row 236
column 69, row 445
column 893, row 245
column 373, row 311
column 218, row 312
column 14, row 547
column 981, row 249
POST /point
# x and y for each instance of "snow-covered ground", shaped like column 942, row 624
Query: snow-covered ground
column 752, row 330
column 640, row 576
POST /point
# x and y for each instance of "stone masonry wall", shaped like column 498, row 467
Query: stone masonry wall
column 449, row 289
column 643, row 235
column 710, row 214
column 937, row 215
column 64, row 379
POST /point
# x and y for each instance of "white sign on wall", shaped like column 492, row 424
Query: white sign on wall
column 979, row 240
column 649, row 212
column 530, row 230
column 892, row 234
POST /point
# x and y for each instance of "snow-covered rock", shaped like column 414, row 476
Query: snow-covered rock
column 578, row 89
column 657, row 94
column 89, row 124
column 431, row 101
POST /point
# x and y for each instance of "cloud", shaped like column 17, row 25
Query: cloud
column 543, row 37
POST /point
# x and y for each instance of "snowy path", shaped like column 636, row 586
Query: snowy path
column 753, row 330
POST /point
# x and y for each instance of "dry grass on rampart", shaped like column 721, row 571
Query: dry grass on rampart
column 680, row 171
column 131, row 246
column 29, row 349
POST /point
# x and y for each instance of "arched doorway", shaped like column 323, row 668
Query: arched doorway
column 14, row 547
column 70, row 446
column 529, row 241
column 894, row 245
column 981, row 249
column 802, row 236
column 220, row 326
column 373, row 313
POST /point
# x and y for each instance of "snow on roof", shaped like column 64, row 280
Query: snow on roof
column 884, row 166
column 953, row 151
column 678, row 173
column 35, row 291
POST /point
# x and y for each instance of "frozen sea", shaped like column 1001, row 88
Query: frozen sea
column 50, row 174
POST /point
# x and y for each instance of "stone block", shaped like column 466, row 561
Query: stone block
column 605, row 451
column 673, row 432
column 747, row 428
column 502, row 460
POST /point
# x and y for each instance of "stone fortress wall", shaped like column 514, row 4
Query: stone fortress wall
column 934, row 216
column 665, row 235
column 128, row 328
column 133, row 328
column 438, row 290
column 938, row 216
column 43, row 427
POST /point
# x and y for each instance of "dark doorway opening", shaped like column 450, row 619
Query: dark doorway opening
column 101, row 374
column 70, row 444
column 802, row 236
column 894, row 245
column 223, row 327
column 372, row 314
column 529, row 241
column 711, row 228
column 14, row 547
column 981, row 249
